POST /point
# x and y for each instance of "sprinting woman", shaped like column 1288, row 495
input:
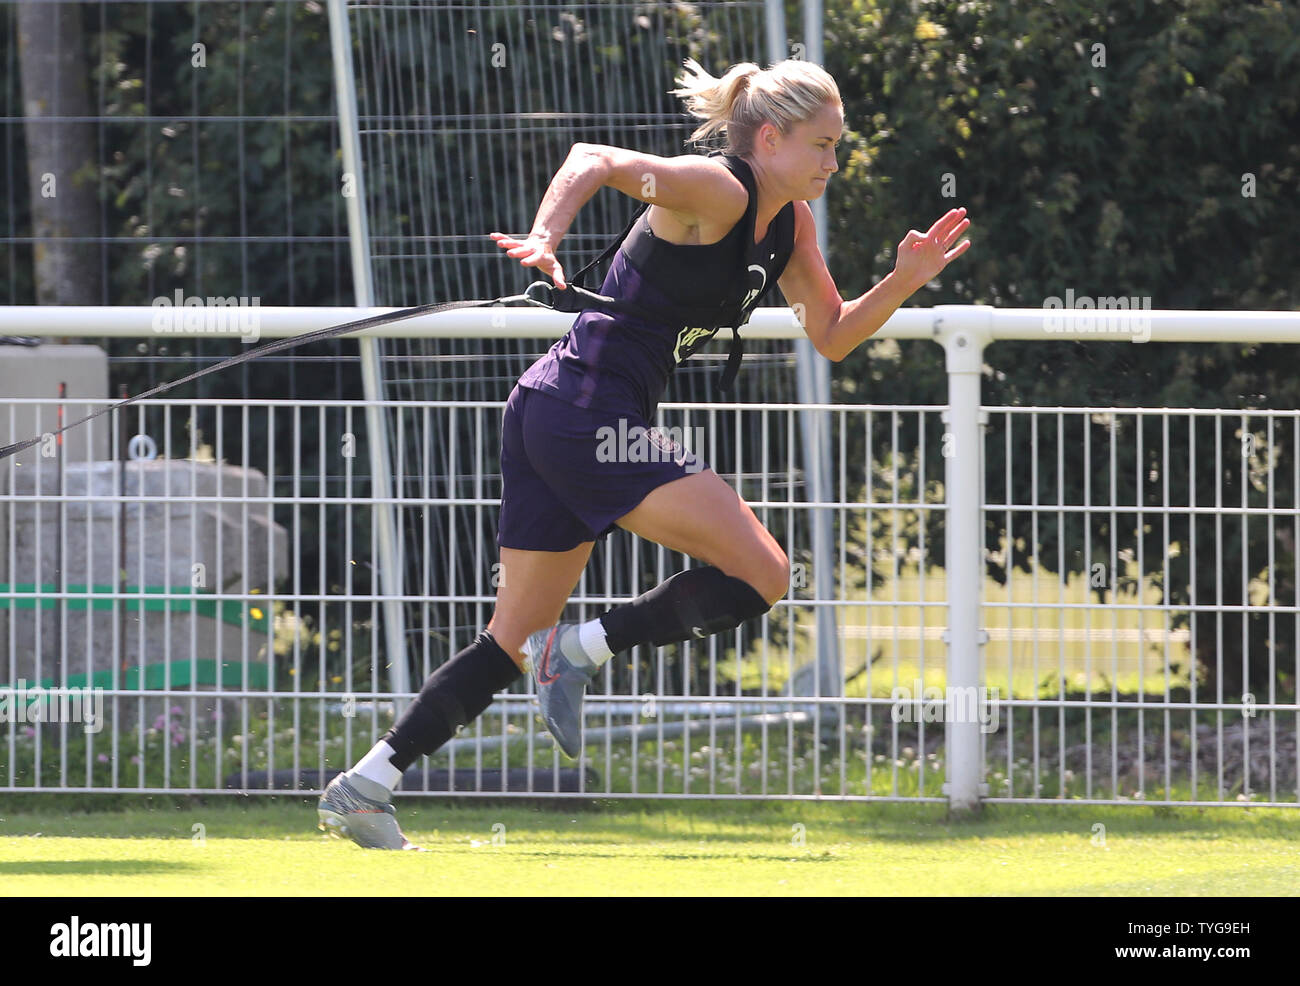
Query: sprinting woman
column 718, row 232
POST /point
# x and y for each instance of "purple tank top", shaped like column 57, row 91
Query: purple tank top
column 621, row 362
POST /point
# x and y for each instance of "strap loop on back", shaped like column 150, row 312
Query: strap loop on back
column 736, row 353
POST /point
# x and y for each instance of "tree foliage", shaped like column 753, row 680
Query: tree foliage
column 1145, row 150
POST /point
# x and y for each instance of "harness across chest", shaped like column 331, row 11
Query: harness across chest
column 696, row 324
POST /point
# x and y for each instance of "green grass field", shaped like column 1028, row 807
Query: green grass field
column 259, row 847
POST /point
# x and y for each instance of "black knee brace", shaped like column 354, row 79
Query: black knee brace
column 454, row 695
column 690, row 605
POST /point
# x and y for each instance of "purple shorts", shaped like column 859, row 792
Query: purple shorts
column 568, row 473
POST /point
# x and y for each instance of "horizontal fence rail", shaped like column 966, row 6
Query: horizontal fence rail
column 240, row 647
column 1030, row 604
column 218, row 317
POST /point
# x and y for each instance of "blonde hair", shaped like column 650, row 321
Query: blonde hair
column 738, row 104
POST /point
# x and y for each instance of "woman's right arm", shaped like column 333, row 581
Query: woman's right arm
column 692, row 186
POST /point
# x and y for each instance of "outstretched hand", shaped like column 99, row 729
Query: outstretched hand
column 921, row 256
column 534, row 251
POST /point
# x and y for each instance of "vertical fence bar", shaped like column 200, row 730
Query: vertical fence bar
column 390, row 570
column 964, row 562
column 825, row 674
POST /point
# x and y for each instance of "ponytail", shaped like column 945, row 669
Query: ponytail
column 736, row 105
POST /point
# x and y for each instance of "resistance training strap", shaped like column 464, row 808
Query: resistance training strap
column 681, row 314
column 574, row 298
column 530, row 296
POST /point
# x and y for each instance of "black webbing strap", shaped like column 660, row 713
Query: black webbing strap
column 578, row 296
column 734, row 355
column 574, row 298
column 528, row 297
column 580, row 277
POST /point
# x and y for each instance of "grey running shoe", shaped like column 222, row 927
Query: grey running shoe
column 345, row 812
column 560, row 686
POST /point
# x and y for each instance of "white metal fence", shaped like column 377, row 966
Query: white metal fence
column 1030, row 603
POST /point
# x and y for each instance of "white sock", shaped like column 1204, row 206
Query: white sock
column 375, row 766
column 591, row 641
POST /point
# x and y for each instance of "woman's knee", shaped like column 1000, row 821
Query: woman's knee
column 510, row 634
column 775, row 577
column 767, row 571
column 511, row 626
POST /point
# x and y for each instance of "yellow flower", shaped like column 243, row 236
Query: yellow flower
column 928, row 30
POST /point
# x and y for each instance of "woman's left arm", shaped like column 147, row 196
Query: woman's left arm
column 837, row 327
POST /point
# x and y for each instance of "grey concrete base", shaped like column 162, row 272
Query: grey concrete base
column 36, row 371
column 176, row 543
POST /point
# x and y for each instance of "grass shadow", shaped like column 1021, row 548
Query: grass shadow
column 92, row 867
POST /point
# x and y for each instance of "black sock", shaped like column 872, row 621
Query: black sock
column 455, row 694
column 690, row 605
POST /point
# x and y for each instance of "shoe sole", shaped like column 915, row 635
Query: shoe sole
column 336, row 825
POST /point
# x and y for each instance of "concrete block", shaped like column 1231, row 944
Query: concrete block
column 36, row 371
column 174, row 543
